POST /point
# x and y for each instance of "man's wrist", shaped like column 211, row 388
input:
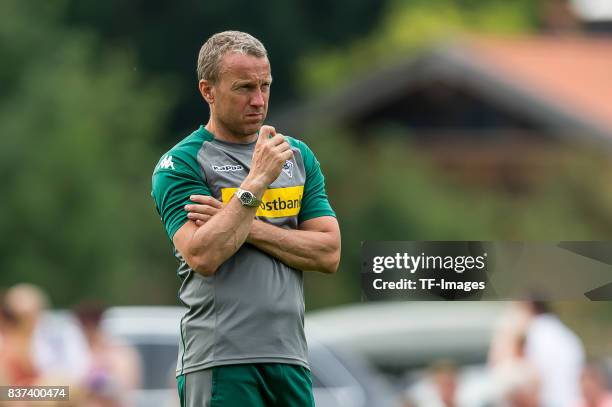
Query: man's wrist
column 254, row 185
column 247, row 198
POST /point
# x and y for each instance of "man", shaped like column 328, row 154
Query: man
column 557, row 355
column 593, row 382
column 38, row 347
column 115, row 369
column 259, row 216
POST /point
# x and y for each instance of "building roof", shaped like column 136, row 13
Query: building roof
column 573, row 71
column 563, row 84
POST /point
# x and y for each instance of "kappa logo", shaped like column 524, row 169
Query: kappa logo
column 166, row 162
column 227, row 168
column 288, row 168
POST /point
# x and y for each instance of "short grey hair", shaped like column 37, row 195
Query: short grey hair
column 213, row 50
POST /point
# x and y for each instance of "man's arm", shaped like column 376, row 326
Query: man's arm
column 205, row 247
column 315, row 246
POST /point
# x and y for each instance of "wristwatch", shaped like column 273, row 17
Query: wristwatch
column 247, row 198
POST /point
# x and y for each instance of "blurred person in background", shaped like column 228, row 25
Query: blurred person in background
column 516, row 383
column 594, row 389
column 440, row 390
column 557, row 355
column 508, row 342
column 20, row 309
column 56, row 346
column 515, row 380
column 115, row 367
column 4, row 320
column 521, row 388
column 444, row 376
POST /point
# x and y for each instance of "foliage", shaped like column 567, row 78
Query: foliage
column 386, row 189
column 166, row 37
column 79, row 128
column 407, row 26
column 86, row 108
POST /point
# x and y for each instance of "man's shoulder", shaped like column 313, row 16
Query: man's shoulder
column 184, row 152
column 190, row 145
column 295, row 142
column 307, row 155
column 300, row 145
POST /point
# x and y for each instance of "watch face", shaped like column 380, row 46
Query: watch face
column 247, row 198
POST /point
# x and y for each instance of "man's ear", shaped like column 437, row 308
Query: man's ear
column 207, row 91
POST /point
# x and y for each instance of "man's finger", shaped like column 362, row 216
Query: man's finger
column 204, row 209
column 198, row 216
column 200, row 198
column 277, row 140
column 282, row 147
column 267, row 132
column 207, row 200
column 286, row 155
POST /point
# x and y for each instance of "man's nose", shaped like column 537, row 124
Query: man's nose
column 258, row 98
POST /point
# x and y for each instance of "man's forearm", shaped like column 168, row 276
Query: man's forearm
column 217, row 240
column 300, row 249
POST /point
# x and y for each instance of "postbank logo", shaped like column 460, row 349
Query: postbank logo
column 275, row 203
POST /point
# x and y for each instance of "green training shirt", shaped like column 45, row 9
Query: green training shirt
column 252, row 309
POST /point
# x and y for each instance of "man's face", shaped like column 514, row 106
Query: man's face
column 240, row 96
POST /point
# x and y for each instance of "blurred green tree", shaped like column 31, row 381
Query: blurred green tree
column 82, row 124
column 388, row 189
column 407, row 26
column 166, row 37
column 79, row 128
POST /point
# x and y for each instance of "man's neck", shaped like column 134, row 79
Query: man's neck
column 223, row 134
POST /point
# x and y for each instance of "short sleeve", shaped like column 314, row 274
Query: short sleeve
column 314, row 201
column 175, row 179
